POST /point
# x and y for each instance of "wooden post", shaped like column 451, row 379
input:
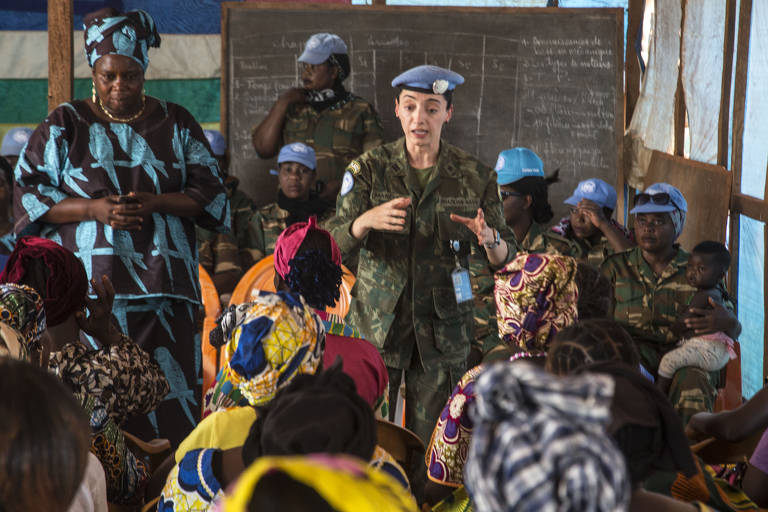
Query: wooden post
column 61, row 84
column 739, row 106
column 680, row 110
column 379, row 2
column 725, row 90
column 632, row 64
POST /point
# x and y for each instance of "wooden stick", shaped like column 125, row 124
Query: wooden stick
column 60, row 53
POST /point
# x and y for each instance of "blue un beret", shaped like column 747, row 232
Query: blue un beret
column 432, row 78
column 298, row 152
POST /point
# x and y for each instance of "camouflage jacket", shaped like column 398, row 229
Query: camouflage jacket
column 265, row 226
column 486, row 332
column 581, row 249
column 645, row 304
column 338, row 135
column 418, row 262
column 219, row 252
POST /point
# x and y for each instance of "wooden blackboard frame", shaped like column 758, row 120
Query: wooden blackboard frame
column 228, row 8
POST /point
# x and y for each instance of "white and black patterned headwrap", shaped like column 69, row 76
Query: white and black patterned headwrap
column 539, row 443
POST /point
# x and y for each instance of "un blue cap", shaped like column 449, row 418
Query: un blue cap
column 217, row 142
column 298, row 152
column 14, row 141
column 676, row 199
column 595, row 190
column 320, row 47
column 432, row 78
column 517, row 163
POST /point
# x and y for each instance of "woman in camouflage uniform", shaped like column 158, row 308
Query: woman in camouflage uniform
column 398, row 205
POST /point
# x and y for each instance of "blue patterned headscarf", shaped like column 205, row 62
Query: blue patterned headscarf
column 130, row 34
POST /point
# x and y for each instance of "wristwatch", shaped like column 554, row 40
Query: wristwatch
column 495, row 243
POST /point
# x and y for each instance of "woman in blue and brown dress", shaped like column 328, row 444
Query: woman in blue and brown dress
column 121, row 179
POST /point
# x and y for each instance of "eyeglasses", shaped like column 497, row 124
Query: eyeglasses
column 504, row 194
column 662, row 198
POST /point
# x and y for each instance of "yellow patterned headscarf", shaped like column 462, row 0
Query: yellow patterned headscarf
column 536, row 296
column 345, row 483
column 277, row 337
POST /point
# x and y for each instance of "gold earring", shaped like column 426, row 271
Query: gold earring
column 93, row 92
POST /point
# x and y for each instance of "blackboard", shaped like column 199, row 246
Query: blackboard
column 548, row 79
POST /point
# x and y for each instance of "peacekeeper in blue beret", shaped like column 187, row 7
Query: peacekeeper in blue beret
column 415, row 207
column 323, row 114
column 589, row 234
column 524, row 193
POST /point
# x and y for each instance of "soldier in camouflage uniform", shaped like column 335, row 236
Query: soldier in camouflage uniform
column 296, row 199
column 524, row 196
column 323, row 114
column 397, row 204
column 650, row 286
column 589, row 234
column 225, row 256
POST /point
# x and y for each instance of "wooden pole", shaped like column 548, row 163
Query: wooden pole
column 61, row 84
column 680, row 110
column 739, row 106
column 725, row 90
column 632, row 64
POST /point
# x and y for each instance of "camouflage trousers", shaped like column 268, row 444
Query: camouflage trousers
column 426, row 392
column 693, row 390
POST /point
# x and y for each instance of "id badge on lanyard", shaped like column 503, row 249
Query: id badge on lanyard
column 462, row 286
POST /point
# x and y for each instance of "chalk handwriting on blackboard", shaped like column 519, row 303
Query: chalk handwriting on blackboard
column 549, row 80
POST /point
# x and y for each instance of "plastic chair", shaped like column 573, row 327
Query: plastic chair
column 212, row 308
column 729, row 396
column 261, row 277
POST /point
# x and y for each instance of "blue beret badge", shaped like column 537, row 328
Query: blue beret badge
column 347, row 183
column 440, row 86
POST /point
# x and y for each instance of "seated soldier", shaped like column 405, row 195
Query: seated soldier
column 322, row 113
column 296, row 199
column 589, row 234
column 13, row 142
column 649, row 286
column 225, row 256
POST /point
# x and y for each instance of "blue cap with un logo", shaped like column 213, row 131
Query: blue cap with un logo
column 676, row 200
column 217, row 142
column 320, row 47
column 595, row 190
column 14, row 141
column 429, row 78
column 518, row 163
column 298, row 152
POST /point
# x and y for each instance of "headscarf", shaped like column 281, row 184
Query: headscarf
column 66, row 284
column 315, row 414
column 345, row 483
column 21, row 310
column 309, row 273
column 276, row 337
column 540, row 443
column 678, row 220
column 645, row 426
column 536, row 295
column 361, row 361
column 129, row 34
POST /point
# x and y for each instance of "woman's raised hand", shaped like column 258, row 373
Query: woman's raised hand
column 389, row 216
column 482, row 231
column 99, row 323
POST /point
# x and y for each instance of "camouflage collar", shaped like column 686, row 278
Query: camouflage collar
column 679, row 261
column 446, row 165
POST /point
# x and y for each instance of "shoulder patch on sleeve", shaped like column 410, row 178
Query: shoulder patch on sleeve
column 347, row 183
column 354, row 167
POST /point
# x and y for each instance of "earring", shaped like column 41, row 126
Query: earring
column 93, row 92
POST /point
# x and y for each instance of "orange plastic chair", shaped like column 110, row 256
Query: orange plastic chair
column 261, row 277
column 729, row 396
column 212, row 308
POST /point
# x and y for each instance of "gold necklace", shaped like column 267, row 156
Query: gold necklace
column 123, row 119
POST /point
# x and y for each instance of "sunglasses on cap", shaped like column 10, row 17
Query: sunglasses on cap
column 662, row 199
column 504, row 194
